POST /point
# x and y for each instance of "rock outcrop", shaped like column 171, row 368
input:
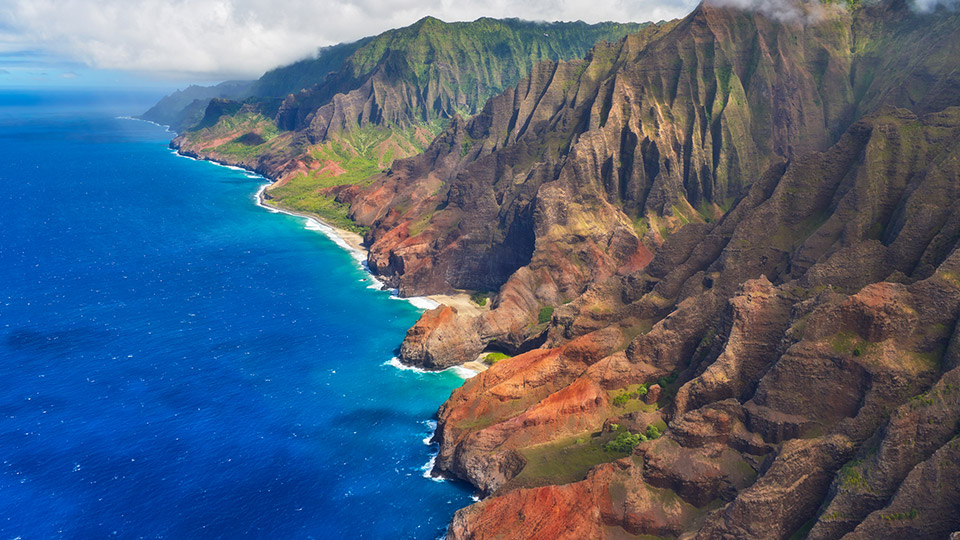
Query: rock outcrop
column 809, row 390
column 349, row 113
column 723, row 256
column 581, row 171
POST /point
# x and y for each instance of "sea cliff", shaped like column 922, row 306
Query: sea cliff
column 721, row 255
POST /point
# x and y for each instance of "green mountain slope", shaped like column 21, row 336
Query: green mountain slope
column 376, row 100
column 185, row 108
column 722, row 255
column 753, row 220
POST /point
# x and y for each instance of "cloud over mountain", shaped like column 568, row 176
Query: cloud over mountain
column 243, row 38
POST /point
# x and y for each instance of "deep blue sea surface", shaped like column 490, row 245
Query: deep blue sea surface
column 177, row 362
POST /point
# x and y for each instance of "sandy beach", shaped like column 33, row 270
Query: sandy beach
column 352, row 239
column 354, row 243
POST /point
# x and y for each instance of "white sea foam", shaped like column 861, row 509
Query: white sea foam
column 191, row 158
column 432, row 425
column 428, row 469
column 422, row 302
column 164, row 126
column 395, row 362
column 459, row 371
column 258, row 198
column 233, row 167
column 313, row 224
column 462, row 372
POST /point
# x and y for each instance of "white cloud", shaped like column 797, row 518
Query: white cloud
column 243, row 38
column 929, row 6
column 785, row 11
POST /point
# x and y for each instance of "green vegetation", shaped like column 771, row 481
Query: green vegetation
column 804, row 529
column 723, row 77
column 630, row 399
column 668, row 388
column 479, row 298
column 352, row 157
column 566, row 460
column 849, row 4
column 250, row 144
column 291, row 79
column 454, row 67
column 326, row 208
column 497, row 53
column 842, row 342
column 668, row 380
column 850, row 343
column 622, row 399
column 947, row 391
column 640, row 226
column 494, row 357
column 788, row 237
column 545, row 314
column 257, row 133
column 626, row 441
column 851, row 475
column 185, row 108
column 912, row 514
column 465, row 146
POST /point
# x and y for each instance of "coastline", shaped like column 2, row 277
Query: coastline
column 353, row 241
column 353, row 244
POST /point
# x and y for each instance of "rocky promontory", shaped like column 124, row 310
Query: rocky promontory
column 721, row 256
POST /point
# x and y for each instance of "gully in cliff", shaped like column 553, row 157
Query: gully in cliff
column 716, row 257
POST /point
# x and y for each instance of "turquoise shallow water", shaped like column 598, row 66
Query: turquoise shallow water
column 176, row 362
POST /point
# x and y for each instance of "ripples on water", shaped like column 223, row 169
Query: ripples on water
column 177, row 362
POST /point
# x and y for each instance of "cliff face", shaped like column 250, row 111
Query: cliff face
column 433, row 70
column 811, row 331
column 582, row 170
column 722, row 252
column 183, row 109
column 374, row 101
column 754, row 223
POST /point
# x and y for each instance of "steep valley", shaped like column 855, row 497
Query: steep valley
column 721, row 254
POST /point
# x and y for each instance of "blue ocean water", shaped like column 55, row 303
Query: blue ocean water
column 176, row 362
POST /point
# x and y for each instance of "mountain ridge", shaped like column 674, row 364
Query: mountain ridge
column 731, row 409
column 722, row 258
column 397, row 90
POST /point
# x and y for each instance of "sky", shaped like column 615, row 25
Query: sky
column 174, row 42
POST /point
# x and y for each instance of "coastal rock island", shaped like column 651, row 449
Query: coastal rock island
column 717, row 257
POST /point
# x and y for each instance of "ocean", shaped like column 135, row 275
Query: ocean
column 178, row 362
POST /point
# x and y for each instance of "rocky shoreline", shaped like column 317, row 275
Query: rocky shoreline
column 350, row 241
column 751, row 221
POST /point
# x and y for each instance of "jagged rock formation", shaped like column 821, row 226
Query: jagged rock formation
column 420, row 74
column 580, row 171
column 816, row 372
column 771, row 207
column 433, row 70
column 185, row 108
column 374, row 101
column 735, row 232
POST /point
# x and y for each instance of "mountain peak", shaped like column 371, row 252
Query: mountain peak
column 428, row 20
